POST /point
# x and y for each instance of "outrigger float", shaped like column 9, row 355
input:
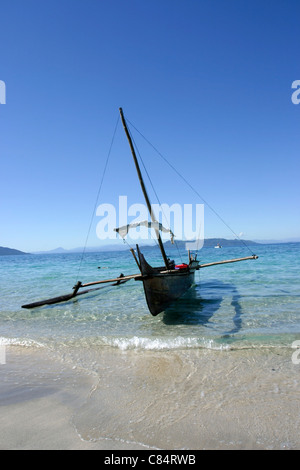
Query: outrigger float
column 162, row 285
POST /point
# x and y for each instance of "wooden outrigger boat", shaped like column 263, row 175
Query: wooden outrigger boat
column 162, row 285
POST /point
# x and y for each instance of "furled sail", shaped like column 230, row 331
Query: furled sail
column 123, row 231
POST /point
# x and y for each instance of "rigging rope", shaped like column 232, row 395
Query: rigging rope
column 176, row 244
column 191, row 187
column 98, row 195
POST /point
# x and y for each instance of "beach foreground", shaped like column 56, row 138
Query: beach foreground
column 183, row 399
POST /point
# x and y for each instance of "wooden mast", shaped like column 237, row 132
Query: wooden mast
column 144, row 188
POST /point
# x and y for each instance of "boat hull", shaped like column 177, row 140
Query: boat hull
column 161, row 290
column 163, row 286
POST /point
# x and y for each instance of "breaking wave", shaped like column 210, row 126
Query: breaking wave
column 20, row 342
column 160, row 344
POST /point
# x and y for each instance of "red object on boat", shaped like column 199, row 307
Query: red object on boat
column 181, row 266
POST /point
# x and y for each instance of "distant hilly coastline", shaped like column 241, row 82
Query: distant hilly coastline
column 212, row 242
column 180, row 244
column 209, row 242
column 10, row 251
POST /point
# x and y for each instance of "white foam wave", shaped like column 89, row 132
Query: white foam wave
column 20, row 342
column 157, row 344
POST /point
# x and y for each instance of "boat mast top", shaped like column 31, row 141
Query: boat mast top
column 144, row 188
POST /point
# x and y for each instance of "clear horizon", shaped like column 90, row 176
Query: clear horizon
column 210, row 84
column 121, row 247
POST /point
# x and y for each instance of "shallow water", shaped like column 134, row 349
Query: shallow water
column 249, row 304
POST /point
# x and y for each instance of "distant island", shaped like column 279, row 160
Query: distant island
column 180, row 244
column 10, row 251
column 212, row 242
column 209, row 242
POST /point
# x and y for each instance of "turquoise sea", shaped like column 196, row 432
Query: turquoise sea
column 251, row 304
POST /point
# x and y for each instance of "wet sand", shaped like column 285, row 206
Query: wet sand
column 111, row 399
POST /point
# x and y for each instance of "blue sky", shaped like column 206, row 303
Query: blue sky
column 207, row 82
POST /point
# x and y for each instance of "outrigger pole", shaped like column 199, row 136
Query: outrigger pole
column 63, row 298
column 227, row 261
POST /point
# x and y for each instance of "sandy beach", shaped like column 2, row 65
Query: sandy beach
column 188, row 399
